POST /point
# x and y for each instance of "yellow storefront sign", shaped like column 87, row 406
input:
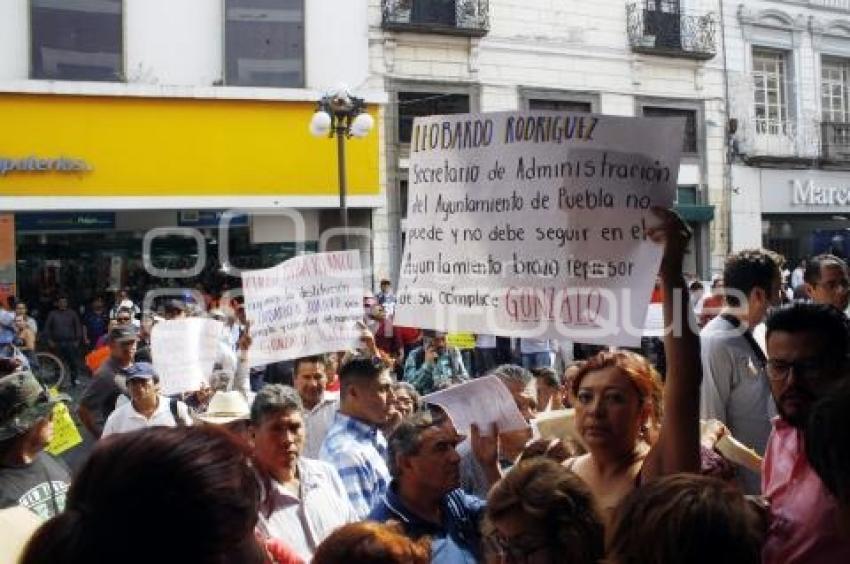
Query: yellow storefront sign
column 122, row 146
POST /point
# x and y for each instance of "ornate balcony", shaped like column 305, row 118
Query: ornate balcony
column 470, row 18
column 835, row 142
column 660, row 27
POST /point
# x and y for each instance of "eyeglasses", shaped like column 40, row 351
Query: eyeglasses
column 811, row 370
column 123, row 319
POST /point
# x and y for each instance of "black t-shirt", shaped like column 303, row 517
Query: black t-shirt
column 40, row 486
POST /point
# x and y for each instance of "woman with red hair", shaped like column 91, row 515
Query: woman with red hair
column 372, row 543
column 613, row 395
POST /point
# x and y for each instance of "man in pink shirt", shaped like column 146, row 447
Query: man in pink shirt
column 807, row 347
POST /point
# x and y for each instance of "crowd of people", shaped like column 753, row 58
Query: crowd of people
column 341, row 457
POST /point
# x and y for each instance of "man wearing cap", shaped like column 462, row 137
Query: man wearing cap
column 29, row 476
column 175, row 309
column 98, row 401
column 146, row 408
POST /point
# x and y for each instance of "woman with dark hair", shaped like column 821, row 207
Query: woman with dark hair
column 182, row 494
column 541, row 512
column 613, row 395
column 686, row 518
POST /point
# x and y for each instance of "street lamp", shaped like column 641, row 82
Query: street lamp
column 343, row 115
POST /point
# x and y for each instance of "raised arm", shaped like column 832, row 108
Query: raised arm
column 677, row 449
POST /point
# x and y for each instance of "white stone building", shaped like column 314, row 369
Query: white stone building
column 789, row 67
column 655, row 57
column 121, row 117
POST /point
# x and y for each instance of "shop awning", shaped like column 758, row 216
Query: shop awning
column 695, row 213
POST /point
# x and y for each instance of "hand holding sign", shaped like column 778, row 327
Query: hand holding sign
column 537, row 225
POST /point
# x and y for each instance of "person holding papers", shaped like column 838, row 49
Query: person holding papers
column 612, row 390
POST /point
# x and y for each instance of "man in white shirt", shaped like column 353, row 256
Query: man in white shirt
column 146, row 408
column 320, row 406
column 307, row 500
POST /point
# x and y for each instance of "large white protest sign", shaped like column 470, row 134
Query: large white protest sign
column 304, row 306
column 483, row 401
column 534, row 224
column 184, row 352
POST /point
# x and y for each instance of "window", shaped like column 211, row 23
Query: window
column 560, row 105
column 687, row 196
column 434, row 12
column 770, row 90
column 403, row 197
column 416, row 104
column 834, row 74
column 264, row 43
column 689, row 145
column 77, row 40
column 662, row 21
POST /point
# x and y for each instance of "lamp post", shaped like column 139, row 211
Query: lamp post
column 342, row 115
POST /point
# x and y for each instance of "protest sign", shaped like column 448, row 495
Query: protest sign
column 535, row 224
column 184, row 352
column 463, row 341
column 65, row 433
column 482, row 401
column 304, row 306
column 653, row 325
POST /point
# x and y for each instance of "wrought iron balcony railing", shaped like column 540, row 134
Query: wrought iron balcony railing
column 835, row 142
column 450, row 17
column 660, row 27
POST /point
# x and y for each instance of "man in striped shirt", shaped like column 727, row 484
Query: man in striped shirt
column 355, row 445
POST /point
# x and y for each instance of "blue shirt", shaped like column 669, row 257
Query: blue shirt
column 358, row 451
column 7, row 327
column 447, row 369
column 456, row 540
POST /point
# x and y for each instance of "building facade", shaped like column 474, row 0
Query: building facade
column 789, row 67
column 131, row 126
column 636, row 58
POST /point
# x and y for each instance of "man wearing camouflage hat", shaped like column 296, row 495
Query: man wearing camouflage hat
column 29, row 476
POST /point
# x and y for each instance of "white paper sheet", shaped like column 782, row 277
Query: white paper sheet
column 482, row 401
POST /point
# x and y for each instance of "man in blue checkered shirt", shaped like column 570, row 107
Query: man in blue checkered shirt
column 355, row 445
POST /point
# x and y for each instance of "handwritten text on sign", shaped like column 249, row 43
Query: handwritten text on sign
column 184, row 352
column 535, row 224
column 307, row 305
